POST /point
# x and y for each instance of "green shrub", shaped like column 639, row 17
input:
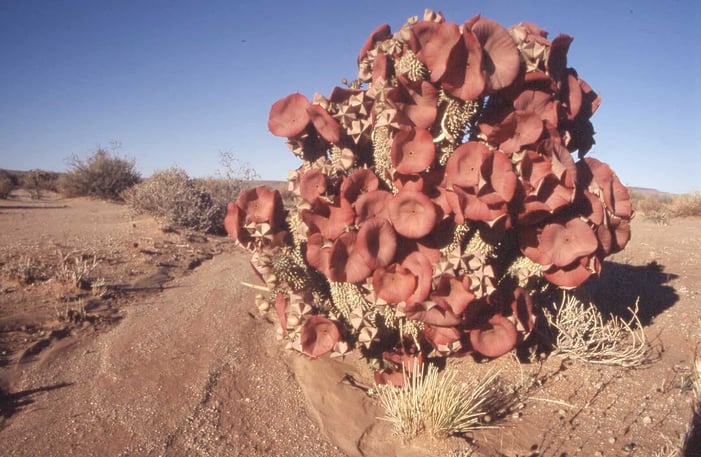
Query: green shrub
column 102, row 175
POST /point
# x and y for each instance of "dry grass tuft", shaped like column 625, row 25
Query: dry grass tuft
column 437, row 404
column 583, row 333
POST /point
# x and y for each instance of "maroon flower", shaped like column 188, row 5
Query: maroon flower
column 433, row 44
column 361, row 181
column 567, row 242
column 453, row 293
column 312, row 184
column 501, row 60
column 416, row 101
column 393, row 284
column 319, row 336
column 412, row 213
column 376, row 243
column 413, row 150
column 494, row 338
column 372, row 204
column 289, row 116
column 325, row 125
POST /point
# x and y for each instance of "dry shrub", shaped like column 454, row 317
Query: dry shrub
column 102, row 175
column 686, row 205
column 583, row 333
column 193, row 203
column 172, row 196
column 7, row 184
column 39, row 181
column 437, row 404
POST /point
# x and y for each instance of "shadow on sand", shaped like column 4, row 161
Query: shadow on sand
column 621, row 285
column 12, row 403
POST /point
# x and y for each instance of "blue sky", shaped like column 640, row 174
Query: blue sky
column 176, row 82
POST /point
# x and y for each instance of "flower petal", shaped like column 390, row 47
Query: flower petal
column 288, row 116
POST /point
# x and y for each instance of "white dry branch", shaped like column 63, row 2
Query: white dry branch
column 584, row 333
column 437, row 403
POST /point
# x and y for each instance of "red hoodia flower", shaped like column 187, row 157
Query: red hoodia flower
column 422, row 268
column 312, row 184
column 325, row 125
column 262, row 204
column 233, row 221
column 434, row 42
column 465, row 79
column 319, row 336
column 557, row 58
column 539, row 102
column 502, row 178
column 319, row 253
column 430, row 313
column 394, row 284
column 495, row 338
column 465, row 164
column 330, row 220
column 372, row 204
column 572, row 275
column 519, row 128
column 567, row 242
column 412, row 213
column 441, row 338
column 345, row 263
column 416, row 101
column 501, row 61
column 453, row 293
column 412, row 150
column 288, row 116
column 361, row 181
column 376, row 243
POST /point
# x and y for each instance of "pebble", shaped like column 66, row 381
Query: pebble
column 647, row 420
column 612, row 440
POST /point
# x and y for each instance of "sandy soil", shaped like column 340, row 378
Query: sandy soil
column 170, row 356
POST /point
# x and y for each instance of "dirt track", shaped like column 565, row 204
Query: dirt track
column 176, row 377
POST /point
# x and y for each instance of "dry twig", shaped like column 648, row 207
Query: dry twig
column 583, row 333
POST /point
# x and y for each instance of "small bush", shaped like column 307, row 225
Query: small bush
column 102, row 175
column 7, row 184
column 171, row 195
column 686, row 205
column 194, row 203
column 39, row 181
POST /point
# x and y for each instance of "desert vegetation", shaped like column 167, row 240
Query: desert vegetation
column 439, row 208
column 102, row 175
column 197, row 204
column 662, row 208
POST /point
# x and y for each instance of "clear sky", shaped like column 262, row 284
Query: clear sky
column 176, row 82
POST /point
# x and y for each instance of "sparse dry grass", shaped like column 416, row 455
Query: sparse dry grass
column 437, row 404
column 662, row 208
column 583, row 333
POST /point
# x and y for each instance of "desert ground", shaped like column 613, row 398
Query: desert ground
column 121, row 336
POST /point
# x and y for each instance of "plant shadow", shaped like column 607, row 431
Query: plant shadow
column 620, row 286
column 11, row 403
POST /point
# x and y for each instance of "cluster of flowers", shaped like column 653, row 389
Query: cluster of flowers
column 436, row 190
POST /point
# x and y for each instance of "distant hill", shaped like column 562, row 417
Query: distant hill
column 647, row 192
